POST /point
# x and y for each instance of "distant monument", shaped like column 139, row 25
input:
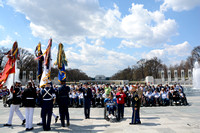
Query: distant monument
column 190, row 74
column 182, row 75
column 162, row 76
column 24, row 76
column 31, row 75
column 100, row 77
column 169, row 75
column 175, row 76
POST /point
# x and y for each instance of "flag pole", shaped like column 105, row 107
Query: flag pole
column 14, row 76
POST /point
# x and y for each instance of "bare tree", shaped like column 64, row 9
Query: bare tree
column 27, row 62
column 196, row 53
column 2, row 55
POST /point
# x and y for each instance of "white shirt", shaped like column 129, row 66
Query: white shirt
column 164, row 95
column 156, row 95
column 80, row 95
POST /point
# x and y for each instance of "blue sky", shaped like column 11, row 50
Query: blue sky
column 104, row 36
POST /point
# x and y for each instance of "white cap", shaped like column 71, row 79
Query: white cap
column 17, row 81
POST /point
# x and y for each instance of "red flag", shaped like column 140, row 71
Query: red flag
column 9, row 68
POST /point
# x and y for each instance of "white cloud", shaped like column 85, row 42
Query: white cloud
column 75, row 21
column 7, row 42
column 129, row 44
column 147, row 28
column 170, row 54
column 1, row 3
column 179, row 5
column 96, row 60
column 98, row 42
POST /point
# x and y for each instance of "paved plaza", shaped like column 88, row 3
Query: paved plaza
column 170, row 119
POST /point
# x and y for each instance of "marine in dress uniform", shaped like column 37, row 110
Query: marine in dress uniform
column 47, row 106
column 29, row 100
column 63, row 101
column 135, row 107
column 16, row 101
column 87, row 93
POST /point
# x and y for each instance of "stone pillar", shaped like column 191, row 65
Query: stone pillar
column 175, row 76
column 169, row 75
column 24, row 77
column 163, row 76
column 189, row 74
column 31, row 75
column 36, row 77
column 182, row 75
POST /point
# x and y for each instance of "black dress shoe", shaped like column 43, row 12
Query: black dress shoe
column 39, row 124
column 49, row 129
column 27, row 129
column 24, row 121
column 31, row 129
column 132, row 123
column 56, row 119
column 7, row 125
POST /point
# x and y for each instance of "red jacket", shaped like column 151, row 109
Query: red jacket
column 120, row 98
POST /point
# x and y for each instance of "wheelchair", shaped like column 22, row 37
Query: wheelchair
column 106, row 112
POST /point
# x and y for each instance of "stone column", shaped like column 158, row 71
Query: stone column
column 163, row 76
column 182, row 75
column 175, row 76
column 31, row 75
column 169, row 75
column 189, row 74
column 24, row 77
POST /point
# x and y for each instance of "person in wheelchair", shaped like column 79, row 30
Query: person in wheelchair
column 111, row 104
column 176, row 98
column 183, row 99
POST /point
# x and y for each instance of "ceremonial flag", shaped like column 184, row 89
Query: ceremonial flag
column 9, row 68
column 40, row 57
column 47, row 65
column 61, row 62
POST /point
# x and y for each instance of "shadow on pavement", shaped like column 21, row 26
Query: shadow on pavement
column 150, row 124
column 150, row 117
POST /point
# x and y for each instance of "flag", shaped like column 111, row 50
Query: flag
column 61, row 62
column 9, row 68
column 40, row 58
column 47, row 65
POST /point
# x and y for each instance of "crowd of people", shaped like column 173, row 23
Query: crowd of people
column 111, row 97
column 151, row 95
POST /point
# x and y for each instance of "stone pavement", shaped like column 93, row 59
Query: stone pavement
column 171, row 119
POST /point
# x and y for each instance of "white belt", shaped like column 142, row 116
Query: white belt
column 47, row 99
column 110, row 103
column 29, row 98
